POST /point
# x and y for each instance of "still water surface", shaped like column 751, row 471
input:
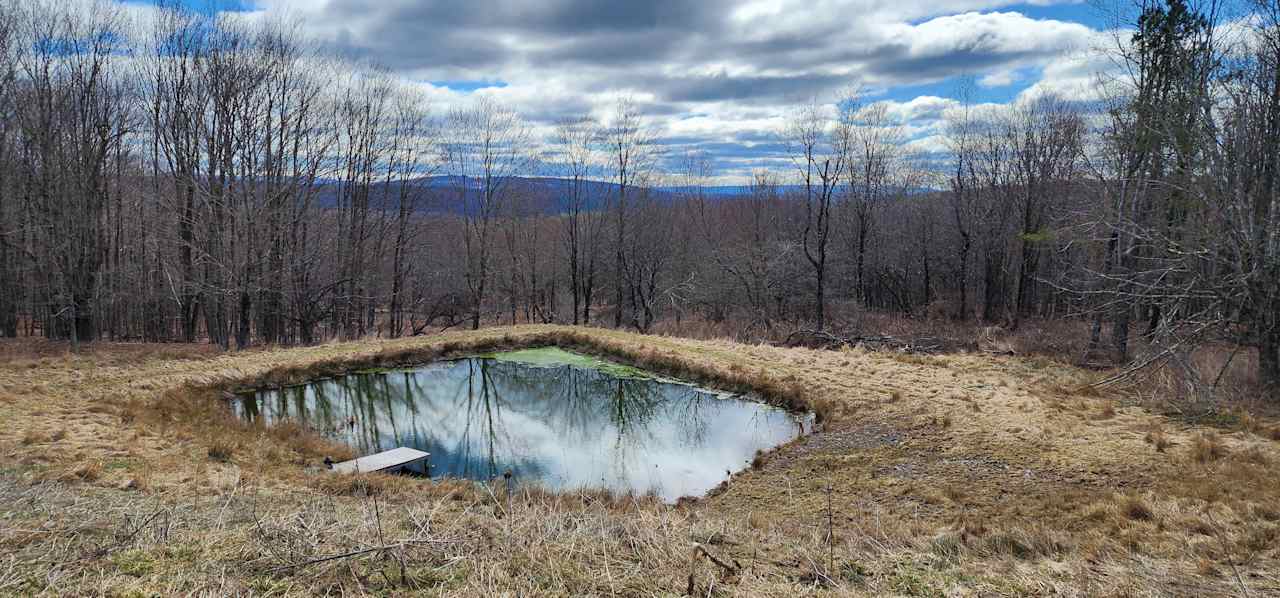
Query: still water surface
column 563, row 426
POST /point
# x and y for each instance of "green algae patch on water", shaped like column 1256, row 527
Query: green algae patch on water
column 555, row 356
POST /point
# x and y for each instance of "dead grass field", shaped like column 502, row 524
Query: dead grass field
column 965, row 474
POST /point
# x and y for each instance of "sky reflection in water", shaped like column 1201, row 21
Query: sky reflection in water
column 563, row 426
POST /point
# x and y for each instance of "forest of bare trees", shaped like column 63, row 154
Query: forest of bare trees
column 196, row 178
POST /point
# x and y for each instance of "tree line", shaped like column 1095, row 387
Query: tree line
column 190, row 177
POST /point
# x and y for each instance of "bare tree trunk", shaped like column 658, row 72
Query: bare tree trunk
column 1269, row 360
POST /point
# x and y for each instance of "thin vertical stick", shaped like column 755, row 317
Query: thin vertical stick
column 831, row 549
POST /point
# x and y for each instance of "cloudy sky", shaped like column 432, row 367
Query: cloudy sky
column 718, row 76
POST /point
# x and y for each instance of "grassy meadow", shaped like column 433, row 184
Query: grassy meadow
column 124, row 473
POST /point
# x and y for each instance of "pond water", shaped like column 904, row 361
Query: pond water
column 559, row 419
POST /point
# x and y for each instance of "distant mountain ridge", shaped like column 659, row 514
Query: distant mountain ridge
column 549, row 194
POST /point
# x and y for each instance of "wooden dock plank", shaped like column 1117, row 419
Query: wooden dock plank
column 396, row 457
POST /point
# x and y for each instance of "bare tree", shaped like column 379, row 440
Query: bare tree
column 413, row 157
column 962, row 135
column 363, row 116
column 72, row 118
column 12, row 288
column 629, row 144
column 223, row 179
column 1045, row 137
column 819, row 139
column 487, row 147
column 653, row 252
column 1154, row 138
column 1254, row 148
column 176, row 100
column 875, row 144
column 577, row 140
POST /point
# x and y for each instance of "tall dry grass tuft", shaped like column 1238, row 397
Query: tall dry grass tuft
column 222, row 448
column 1107, row 411
column 1026, row 542
column 365, row 485
column 1135, row 508
column 1156, row 437
column 31, row 436
column 306, row 446
column 87, row 471
column 1207, row 447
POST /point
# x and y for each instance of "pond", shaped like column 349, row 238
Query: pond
column 559, row 419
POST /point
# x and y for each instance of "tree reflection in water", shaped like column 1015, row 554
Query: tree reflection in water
column 562, row 426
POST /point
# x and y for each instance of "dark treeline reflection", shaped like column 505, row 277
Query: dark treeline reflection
column 565, row 427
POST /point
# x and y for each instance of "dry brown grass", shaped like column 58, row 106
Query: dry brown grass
column 1157, row 438
column 32, row 352
column 89, row 471
column 32, row 436
column 1136, row 509
column 986, row 475
column 221, row 449
column 1207, row 447
column 1107, row 411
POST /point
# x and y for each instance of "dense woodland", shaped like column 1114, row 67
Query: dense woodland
column 196, row 178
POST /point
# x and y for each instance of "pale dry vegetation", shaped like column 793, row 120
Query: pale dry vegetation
column 962, row 473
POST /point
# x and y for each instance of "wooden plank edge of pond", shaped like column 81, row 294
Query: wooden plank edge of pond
column 395, row 458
